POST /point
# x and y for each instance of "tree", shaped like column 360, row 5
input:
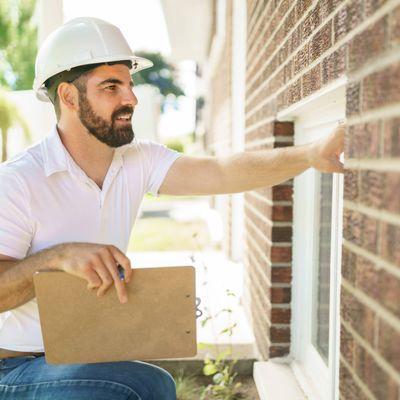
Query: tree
column 161, row 75
column 9, row 117
column 18, row 43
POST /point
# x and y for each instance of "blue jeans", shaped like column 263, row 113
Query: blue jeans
column 30, row 378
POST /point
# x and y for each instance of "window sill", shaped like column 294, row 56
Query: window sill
column 276, row 381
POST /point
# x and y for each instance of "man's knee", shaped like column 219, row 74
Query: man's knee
column 160, row 383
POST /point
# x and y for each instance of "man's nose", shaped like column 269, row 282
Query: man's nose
column 130, row 99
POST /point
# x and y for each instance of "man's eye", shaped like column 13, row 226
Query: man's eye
column 112, row 87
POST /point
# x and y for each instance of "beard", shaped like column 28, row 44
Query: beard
column 106, row 132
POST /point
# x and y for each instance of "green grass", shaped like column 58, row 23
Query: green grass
column 166, row 234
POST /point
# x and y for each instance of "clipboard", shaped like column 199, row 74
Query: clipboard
column 158, row 321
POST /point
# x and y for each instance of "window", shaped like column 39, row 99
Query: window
column 317, row 234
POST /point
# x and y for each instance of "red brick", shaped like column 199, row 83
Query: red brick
column 381, row 88
column 367, row 45
column 280, row 315
column 391, row 146
column 283, row 128
column 280, row 335
column 278, row 351
column 334, row 65
column 353, row 98
column 295, row 39
column 282, row 193
column 378, row 381
column 349, row 265
column 352, row 227
column 346, row 345
column 363, row 140
column 290, row 21
column 300, row 60
column 311, row 22
column 389, row 289
column 280, row 295
column 281, row 234
column 281, row 274
column 358, row 315
column 321, row 42
column 388, row 344
column 281, row 254
column 372, row 187
column 347, row 18
column 288, row 71
column 294, row 94
column 394, row 27
column 369, row 235
column 301, row 7
column 312, row 81
column 381, row 190
column 351, row 185
column 371, row 6
column 282, row 213
column 390, row 248
column 327, row 6
column 349, row 390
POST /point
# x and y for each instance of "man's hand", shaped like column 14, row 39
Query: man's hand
column 325, row 153
column 97, row 264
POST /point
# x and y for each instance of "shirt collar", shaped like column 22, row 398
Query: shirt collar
column 57, row 159
column 54, row 153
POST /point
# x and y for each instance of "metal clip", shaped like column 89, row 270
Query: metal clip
column 199, row 313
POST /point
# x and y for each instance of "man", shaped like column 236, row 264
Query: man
column 69, row 203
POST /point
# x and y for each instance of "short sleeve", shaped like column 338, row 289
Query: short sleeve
column 15, row 222
column 160, row 158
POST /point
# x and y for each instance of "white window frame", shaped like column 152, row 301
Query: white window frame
column 317, row 380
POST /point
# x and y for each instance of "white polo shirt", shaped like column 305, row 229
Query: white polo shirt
column 47, row 199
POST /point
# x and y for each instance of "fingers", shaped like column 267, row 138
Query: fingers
column 92, row 278
column 124, row 261
column 112, row 267
column 105, row 276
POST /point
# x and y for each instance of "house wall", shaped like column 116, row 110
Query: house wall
column 295, row 48
column 219, row 107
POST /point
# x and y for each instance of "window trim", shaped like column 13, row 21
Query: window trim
column 331, row 97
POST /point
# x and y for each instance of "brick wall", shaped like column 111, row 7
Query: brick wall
column 295, row 48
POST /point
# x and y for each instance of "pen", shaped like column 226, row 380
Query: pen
column 121, row 272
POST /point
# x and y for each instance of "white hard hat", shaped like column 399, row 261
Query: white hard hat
column 81, row 41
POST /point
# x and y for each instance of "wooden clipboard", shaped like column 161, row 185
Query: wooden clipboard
column 158, row 321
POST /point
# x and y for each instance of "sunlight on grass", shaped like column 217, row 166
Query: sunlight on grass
column 166, row 234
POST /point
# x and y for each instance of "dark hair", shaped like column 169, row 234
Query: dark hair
column 73, row 75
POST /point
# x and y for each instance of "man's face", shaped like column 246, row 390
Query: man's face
column 107, row 104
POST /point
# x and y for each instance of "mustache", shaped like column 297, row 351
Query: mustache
column 121, row 111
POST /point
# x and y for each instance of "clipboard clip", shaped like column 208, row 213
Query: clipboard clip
column 199, row 313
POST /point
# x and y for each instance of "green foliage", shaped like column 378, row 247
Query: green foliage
column 224, row 386
column 18, row 43
column 187, row 387
column 161, row 75
column 176, row 144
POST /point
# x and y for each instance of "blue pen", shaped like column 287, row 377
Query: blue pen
column 121, row 273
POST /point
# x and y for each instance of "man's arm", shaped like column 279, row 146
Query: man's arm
column 252, row 169
column 96, row 263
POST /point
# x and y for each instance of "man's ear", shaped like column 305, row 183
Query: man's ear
column 68, row 95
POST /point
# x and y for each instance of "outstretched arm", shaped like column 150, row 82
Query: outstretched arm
column 251, row 170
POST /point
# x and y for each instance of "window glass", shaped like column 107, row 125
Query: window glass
column 321, row 289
